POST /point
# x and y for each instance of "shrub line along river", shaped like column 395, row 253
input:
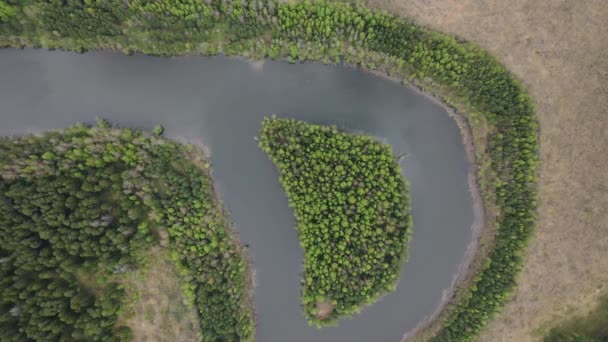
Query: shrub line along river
column 220, row 102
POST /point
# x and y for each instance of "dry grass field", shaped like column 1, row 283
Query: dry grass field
column 159, row 311
column 559, row 49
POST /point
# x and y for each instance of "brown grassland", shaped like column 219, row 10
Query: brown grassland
column 559, row 49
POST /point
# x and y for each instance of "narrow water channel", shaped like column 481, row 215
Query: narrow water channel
column 221, row 102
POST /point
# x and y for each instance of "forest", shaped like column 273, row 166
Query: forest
column 352, row 210
column 460, row 73
column 90, row 202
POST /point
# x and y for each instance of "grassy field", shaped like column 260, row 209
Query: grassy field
column 159, row 311
column 592, row 323
column 559, row 51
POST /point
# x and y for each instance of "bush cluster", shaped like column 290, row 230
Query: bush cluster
column 472, row 74
column 172, row 14
column 89, row 202
column 81, row 19
column 7, row 12
column 460, row 72
column 351, row 207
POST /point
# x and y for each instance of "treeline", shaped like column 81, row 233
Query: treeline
column 461, row 73
column 86, row 23
column 352, row 209
column 89, row 202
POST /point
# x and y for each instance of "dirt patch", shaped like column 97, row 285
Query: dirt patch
column 558, row 50
column 159, row 311
column 324, row 310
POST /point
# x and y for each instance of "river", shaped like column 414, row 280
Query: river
column 220, row 102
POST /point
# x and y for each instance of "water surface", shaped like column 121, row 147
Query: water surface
column 221, row 102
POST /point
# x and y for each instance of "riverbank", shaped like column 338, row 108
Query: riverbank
column 138, row 91
column 199, row 154
column 132, row 191
column 484, row 212
column 482, row 232
column 558, row 50
column 464, row 71
column 353, row 256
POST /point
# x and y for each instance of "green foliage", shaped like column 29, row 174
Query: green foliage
column 187, row 20
column 351, row 206
column 472, row 74
column 81, row 18
column 172, row 14
column 91, row 201
column 324, row 31
column 158, row 130
column 7, row 12
column 215, row 265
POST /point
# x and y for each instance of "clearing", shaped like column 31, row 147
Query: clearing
column 159, row 311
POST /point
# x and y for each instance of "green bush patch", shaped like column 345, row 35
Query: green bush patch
column 7, row 12
column 80, row 207
column 352, row 209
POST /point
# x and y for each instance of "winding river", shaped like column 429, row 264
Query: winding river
column 220, row 102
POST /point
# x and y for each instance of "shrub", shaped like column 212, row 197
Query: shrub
column 7, row 12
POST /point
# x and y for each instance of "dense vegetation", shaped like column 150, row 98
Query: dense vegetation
column 7, row 12
column 462, row 74
column 88, row 203
column 351, row 207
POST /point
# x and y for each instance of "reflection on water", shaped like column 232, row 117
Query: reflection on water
column 221, row 102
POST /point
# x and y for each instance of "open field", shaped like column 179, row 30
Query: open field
column 159, row 310
column 559, row 49
column 592, row 323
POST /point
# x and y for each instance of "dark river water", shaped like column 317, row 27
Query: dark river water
column 221, row 102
